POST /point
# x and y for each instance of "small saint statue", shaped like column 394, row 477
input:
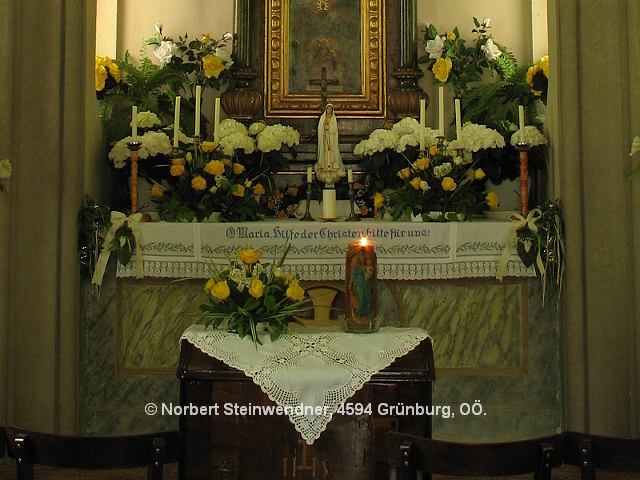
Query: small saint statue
column 329, row 167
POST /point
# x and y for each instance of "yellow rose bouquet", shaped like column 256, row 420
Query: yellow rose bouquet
column 249, row 293
column 442, row 186
column 205, row 182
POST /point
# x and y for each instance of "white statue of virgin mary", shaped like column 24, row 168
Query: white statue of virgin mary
column 329, row 167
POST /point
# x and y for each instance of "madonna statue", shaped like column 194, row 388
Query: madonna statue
column 329, row 167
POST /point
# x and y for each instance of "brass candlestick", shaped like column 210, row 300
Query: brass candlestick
column 524, row 148
column 352, row 216
column 134, row 147
column 307, row 216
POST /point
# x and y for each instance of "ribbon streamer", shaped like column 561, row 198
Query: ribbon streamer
column 519, row 222
column 117, row 220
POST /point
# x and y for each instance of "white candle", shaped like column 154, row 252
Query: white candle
column 134, row 123
column 176, row 122
column 350, row 176
column 423, row 107
column 441, row 110
column 216, row 121
column 309, row 175
column 521, row 120
column 329, row 203
column 458, row 119
column 198, row 93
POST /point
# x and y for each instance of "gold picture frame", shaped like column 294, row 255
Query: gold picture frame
column 366, row 101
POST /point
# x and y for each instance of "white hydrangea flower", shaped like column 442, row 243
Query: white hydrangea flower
column 183, row 138
column 491, row 50
column 476, row 137
column 532, row 136
column 237, row 141
column 405, row 126
column 256, row 127
column 120, row 152
column 273, row 136
column 408, row 139
column 378, row 141
column 156, row 142
column 229, row 126
column 147, row 120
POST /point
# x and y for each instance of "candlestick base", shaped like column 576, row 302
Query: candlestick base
column 307, row 216
column 352, row 216
column 440, row 141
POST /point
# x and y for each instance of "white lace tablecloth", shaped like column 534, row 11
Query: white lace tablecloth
column 316, row 367
column 405, row 250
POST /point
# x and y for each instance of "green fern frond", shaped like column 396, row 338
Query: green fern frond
column 506, row 63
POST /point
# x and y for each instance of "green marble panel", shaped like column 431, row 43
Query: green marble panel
column 152, row 316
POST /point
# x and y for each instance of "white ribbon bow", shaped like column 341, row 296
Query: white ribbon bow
column 117, row 220
column 519, row 222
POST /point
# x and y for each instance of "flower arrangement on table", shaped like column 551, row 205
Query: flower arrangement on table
column 443, row 185
column 226, row 177
column 455, row 63
column 283, row 203
column 248, row 293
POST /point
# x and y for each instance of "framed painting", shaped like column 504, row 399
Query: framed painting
column 338, row 43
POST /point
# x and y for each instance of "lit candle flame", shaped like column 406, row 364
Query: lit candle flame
column 363, row 241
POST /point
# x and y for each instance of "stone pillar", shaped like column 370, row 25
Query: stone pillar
column 593, row 78
column 242, row 103
column 50, row 69
column 404, row 101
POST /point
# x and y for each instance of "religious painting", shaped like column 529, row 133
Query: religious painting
column 325, row 50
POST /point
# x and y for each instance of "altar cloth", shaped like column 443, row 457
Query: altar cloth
column 405, row 250
column 313, row 368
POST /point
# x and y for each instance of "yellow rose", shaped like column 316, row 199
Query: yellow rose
column 100, row 77
column 448, row 185
column 210, row 284
column 378, row 200
column 238, row 191
column 422, row 163
column 208, row 146
column 451, row 36
column 177, row 161
column 212, row 66
column 206, row 37
column 404, row 173
column 114, row 70
column 237, row 168
column 433, row 150
column 198, row 183
column 258, row 189
column 220, row 291
column 479, row 174
column 214, row 167
column 294, row 291
column 249, row 256
column 176, row 170
column 156, row 190
column 441, row 69
column 257, row 288
column 415, row 183
column 226, row 161
column 492, row 199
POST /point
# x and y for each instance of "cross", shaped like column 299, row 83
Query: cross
column 323, row 82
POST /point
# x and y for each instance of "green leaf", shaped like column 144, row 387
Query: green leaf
column 251, row 304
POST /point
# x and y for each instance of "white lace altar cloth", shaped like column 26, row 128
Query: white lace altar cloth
column 314, row 368
column 405, row 250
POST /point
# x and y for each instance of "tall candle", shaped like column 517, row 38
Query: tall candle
column 350, row 175
column 309, row 175
column 198, row 93
column 361, row 287
column 329, row 203
column 458, row 119
column 441, row 111
column 176, row 122
column 521, row 120
column 423, row 107
column 216, row 122
column 134, row 123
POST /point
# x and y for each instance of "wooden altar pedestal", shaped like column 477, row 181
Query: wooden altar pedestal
column 268, row 447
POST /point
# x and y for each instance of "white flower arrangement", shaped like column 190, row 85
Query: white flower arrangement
column 532, row 136
column 378, row 141
column 147, row 120
column 229, row 126
column 256, row 127
column 237, row 141
column 273, row 136
column 152, row 144
column 407, row 125
column 443, row 170
column 474, row 137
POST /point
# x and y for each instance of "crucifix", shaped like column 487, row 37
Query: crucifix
column 323, row 82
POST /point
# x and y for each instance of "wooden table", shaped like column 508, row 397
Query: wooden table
column 267, row 447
